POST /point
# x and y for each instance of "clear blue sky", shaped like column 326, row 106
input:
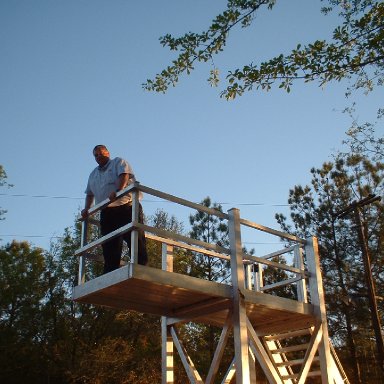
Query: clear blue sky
column 70, row 77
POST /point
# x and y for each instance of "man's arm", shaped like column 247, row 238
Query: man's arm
column 124, row 180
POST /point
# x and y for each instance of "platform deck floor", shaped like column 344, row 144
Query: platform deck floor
column 153, row 291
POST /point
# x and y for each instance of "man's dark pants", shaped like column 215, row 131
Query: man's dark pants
column 112, row 218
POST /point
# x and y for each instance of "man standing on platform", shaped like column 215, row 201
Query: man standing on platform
column 110, row 177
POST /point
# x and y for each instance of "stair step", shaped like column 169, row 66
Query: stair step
column 292, row 348
column 296, row 375
column 287, row 335
column 293, row 362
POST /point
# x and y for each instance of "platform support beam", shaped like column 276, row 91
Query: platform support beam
column 240, row 334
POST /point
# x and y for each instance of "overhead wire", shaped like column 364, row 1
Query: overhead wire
column 144, row 200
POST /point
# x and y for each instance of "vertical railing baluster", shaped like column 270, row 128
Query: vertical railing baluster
column 135, row 219
column 300, row 285
column 83, row 242
column 258, row 272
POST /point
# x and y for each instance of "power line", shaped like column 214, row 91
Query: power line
column 144, row 200
column 60, row 237
column 35, row 236
column 40, row 196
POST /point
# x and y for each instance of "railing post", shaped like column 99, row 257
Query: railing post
column 301, row 285
column 83, row 242
column 317, row 300
column 240, row 332
column 248, row 276
column 258, row 276
column 167, row 365
column 135, row 219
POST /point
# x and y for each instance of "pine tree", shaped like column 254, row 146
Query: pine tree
column 333, row 187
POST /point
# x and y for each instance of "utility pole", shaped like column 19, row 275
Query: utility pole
column 355, row 208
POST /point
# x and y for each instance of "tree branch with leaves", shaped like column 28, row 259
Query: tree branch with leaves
column 356, row 49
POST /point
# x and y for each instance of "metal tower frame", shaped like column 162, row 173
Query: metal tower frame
column 288, row 337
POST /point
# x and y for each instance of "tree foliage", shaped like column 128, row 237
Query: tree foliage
column 210, row 229
column 43, row 332
column 22, row 289
column 3, row 183
column 362, row 138
column 355, row 50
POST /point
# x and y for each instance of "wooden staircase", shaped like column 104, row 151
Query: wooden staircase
column 295, row 355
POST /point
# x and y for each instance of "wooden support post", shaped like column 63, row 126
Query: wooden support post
column 240, row 333
column 134, row 234
column 317, row 299
column 167, row 353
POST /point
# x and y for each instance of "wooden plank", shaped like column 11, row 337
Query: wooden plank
column 296, row 375
column 280, row 303
column 292, row 348
column 288, row 335
column 150, row 290
column 295, row 362
column 202, row 308
column 284, row 325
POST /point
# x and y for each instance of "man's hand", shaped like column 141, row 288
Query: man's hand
column 112, row 196
column 84, row 213
column 88, row 203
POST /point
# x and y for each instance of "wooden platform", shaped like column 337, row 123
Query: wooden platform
column 157, row 292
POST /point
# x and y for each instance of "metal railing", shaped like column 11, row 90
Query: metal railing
column 253, row 266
